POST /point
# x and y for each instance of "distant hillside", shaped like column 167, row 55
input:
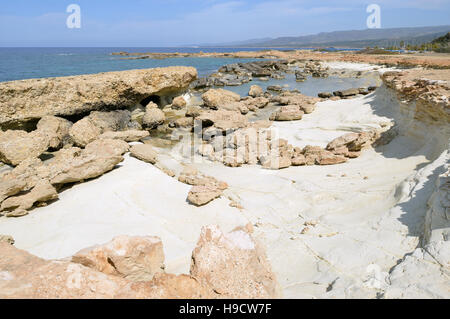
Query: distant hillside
column 353, row 38
column 442, row 44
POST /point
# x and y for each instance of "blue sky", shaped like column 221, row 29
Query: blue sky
column 180, row 22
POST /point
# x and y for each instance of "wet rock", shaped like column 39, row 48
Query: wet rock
column 346, row 93
column 144, row 152
column 275, row 88
column 255, row 91
column 233, row 265
column 134, row 258
column 325, row 95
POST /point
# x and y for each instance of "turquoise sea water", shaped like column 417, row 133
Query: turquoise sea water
column 26, row 63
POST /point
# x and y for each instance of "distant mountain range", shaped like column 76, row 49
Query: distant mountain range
column 348, row 39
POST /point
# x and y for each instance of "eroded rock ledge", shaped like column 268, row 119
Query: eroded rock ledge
column 133, row 267
column 30, row 100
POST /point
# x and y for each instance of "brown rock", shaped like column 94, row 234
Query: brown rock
column 7, row 239
column 153, row 118
column 179, row 103
column 218, row 98
column 15, row 206
column 144, row 152
column 65, row 96
column 91, row 127
column 29, row 277
column 232, row 265
column 17, row 146
column 133, row 258
column 255, row 91
column 127, row 136
column 57, row 131
column 75, row 165
column 202, row 195
column 288, row 113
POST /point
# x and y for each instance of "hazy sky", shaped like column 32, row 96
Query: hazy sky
column 181, row 22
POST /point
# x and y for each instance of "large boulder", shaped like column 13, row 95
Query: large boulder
column 288, row 113
column 153, row 117
column 75, row 165
column 51, row 133
column 179, row 103
column 224, row 121
column 218, row 98
column 24, row 276
column 233, row 265
column 17, row 146
column 91, row 127
column 57, row 130
column 255, row 91
column 27, row 100
column 133, row 258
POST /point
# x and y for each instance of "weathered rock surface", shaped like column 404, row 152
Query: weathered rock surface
column 144, row 152
column 224, row 121
column 17, row 206
column 127, row 136
column 16, row 146
column 256, row 91
column 153, row 117
column 232, row 265
column 133, row 267
column 134, row 258
column 205, row 188
column 217, row 98
column 288, row 113
column 179, row 103
column 7, row 239
column 91, row 127
column 26, row 100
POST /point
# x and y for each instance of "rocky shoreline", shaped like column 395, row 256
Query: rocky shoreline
column 61, row 132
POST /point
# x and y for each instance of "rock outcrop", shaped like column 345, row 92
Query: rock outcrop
column 16, row 146
column 134, row 258
column 223, row 266
column 91, row 127
column 233, row 265
column 68, row 165
column 28, row 100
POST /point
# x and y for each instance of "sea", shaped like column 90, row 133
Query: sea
column 28, row 63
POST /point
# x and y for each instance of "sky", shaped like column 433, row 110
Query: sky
column 161, row 23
